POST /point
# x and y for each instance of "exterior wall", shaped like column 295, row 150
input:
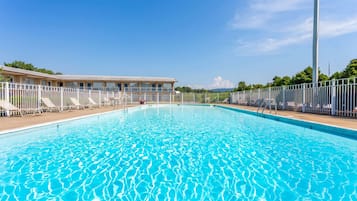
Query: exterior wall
column 124, row 85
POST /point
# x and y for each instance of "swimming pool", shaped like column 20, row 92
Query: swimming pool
column 176, row 153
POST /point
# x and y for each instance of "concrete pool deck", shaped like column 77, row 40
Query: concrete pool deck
column 344, row 122
column 7, row 123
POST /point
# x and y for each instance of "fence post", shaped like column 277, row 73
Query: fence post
column 39, row 98
column 238, row 97
column 131, row 97
column 284, row 98
column 170, row 97
column 259, row 93
column 303, row 98
column 157, row 98
column 100, row 98
column 181, row 98
column 270, row 99
column 78, row 97
column 333, row 97
column 7, row 97
column 61, row 98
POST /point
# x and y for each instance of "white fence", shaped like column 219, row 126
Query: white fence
column 334, row 97
column 27, row 98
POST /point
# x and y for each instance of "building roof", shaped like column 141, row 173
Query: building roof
column 19, row 71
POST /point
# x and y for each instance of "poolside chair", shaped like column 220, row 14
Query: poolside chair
column 76, row 103
column 92, row 102
column 49, row 104
column 9, row 107
column 105, row 101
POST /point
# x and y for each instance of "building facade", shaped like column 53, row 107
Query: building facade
column 115, row 83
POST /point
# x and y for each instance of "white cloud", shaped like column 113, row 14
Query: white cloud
column 260, row 12
column 219, row 82
column 338, row 27
column 270, row 18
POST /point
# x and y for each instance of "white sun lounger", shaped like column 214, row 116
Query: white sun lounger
column 92, row 102
column 49, row 104
column 76, row 103
column 9, row 107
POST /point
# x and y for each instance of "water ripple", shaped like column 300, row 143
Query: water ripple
column 178, row 153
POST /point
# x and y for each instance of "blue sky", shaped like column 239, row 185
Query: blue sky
column 207, row 43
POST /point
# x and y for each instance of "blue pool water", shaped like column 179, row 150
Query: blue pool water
column 177, row 153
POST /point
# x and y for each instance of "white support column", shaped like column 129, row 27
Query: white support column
column 90, row 93
column 61, row 98
column 7, row 97
column 315, row 44
column 333, row 97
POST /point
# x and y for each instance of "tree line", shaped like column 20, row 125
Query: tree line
column 29, row 66
column 304, row 76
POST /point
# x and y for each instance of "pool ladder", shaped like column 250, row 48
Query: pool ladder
column 264, row 103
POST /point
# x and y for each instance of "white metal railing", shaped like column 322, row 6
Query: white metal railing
column 333, row 97
column 27, row 97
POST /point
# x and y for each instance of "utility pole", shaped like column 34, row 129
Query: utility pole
column 315, row 43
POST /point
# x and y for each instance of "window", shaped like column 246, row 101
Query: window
column 98, row 85
column 72, row 84
column 145, row 87
column 29, row 81
column 89, row 85
column 119, row 86
column 44, row 82
column 153, row 87
column 167, row 86
column 159, row 86
column 61, row 84
column 81, row 85
column 111, row 85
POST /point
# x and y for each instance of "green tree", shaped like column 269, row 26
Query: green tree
column 242, row 86
column 2, row 79
column 350, row 70
column 305, row 76
column 278, row 81
column 28, row 66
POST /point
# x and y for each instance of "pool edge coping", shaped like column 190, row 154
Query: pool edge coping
column 314, row 125
column 13, row 130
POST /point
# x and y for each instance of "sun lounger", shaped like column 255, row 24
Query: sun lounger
column 76, row 103
column 9, row 107
column 92, row 103
column 49, row 104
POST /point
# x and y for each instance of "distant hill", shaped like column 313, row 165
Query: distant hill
column 222, row 90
